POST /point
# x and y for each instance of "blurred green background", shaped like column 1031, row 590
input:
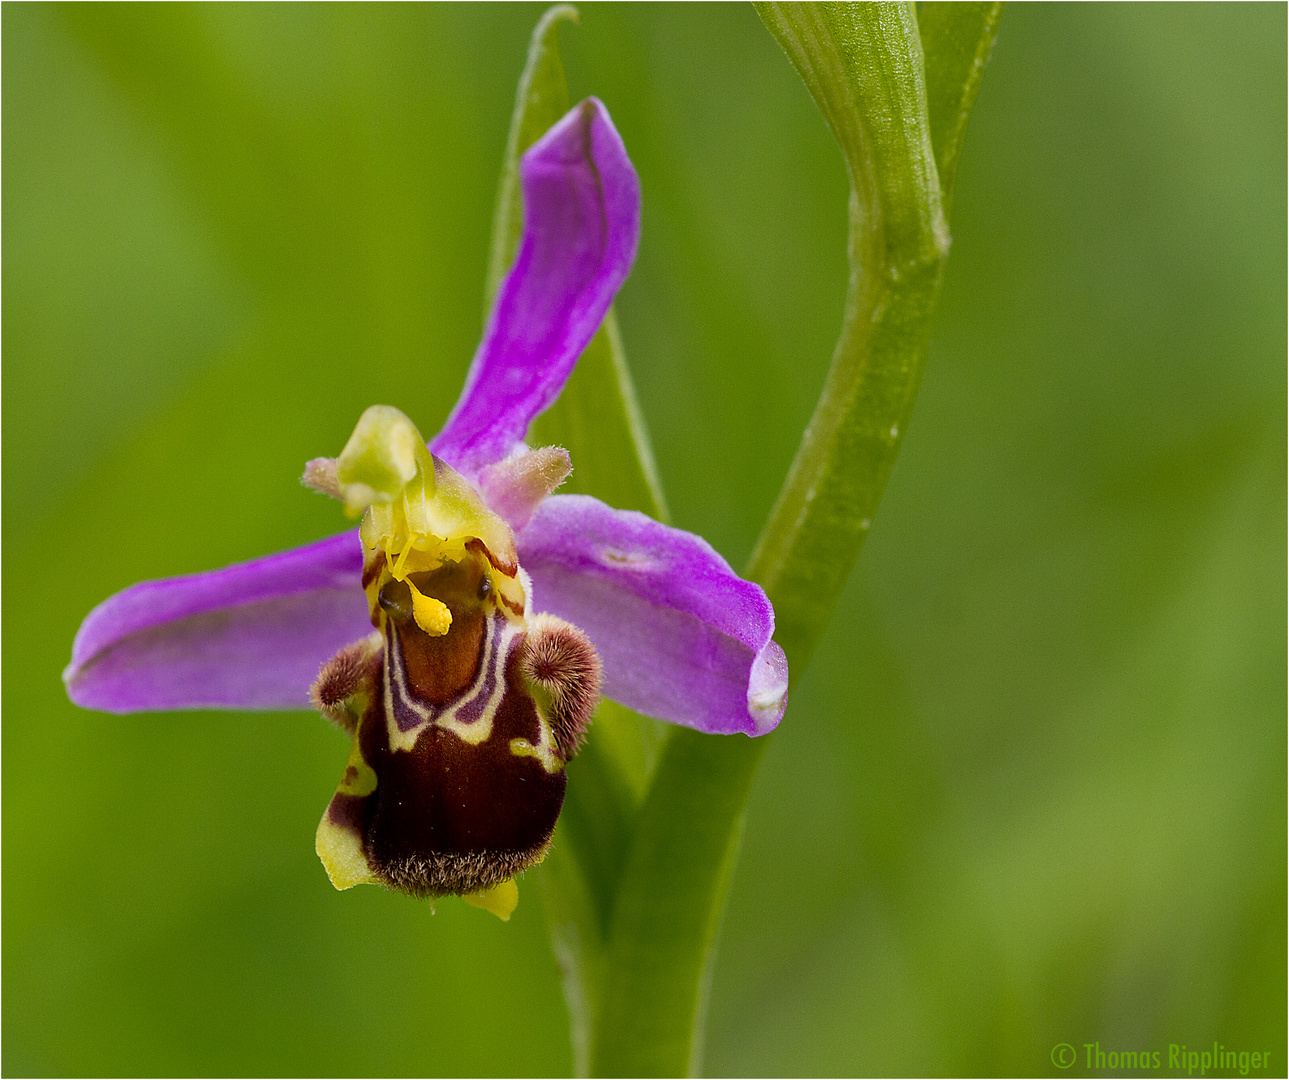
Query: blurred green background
column 1032, row 789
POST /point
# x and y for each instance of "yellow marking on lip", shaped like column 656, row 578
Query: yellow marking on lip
column 359, row 779
column 523, row 748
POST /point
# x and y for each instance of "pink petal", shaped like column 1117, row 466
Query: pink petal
column 682, row 637
column 250, row 636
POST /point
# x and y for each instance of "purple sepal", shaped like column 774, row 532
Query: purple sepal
column 249, row 636
column 581, row 226
column 682, row 637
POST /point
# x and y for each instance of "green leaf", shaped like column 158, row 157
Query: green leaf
column 670, row 900
column 956, row 41
column 863, row 65
column 541, row 99
column 596, row 417
column 597, row 420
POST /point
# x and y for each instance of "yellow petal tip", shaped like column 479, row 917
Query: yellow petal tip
column 342, row 854
column 501, row 899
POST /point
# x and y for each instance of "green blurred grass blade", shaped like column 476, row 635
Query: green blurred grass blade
column 597, row 420
column 956, row 40
column 863, row 65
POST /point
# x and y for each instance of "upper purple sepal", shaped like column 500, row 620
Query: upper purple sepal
column 249, row 636
column 682, row 637
column 581, row 227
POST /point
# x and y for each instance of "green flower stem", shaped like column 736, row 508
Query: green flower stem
column 863, row 63
column 671, row 896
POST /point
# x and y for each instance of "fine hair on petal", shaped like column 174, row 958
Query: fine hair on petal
column 560, row 660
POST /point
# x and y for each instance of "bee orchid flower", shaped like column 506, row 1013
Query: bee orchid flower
column 462, row 635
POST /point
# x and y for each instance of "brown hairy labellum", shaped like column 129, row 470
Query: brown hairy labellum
column 456, row 778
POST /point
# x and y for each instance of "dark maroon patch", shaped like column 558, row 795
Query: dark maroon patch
column 348, row 812
column 448, row 817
